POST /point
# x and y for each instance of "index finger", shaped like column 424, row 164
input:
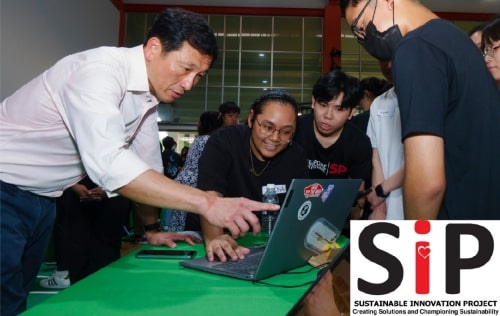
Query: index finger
column 268, row 207
column 259, row 206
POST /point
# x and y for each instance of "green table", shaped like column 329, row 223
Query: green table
column 132, row 286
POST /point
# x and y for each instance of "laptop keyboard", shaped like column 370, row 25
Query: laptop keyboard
column 245, row 266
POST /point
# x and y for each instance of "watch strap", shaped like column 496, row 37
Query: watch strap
column 380, row 191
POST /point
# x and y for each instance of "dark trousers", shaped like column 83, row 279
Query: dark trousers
column 88, row 235
column 26, row 221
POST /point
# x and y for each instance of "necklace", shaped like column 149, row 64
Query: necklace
column 252, row 170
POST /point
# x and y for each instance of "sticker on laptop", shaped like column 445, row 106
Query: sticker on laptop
column 313, row 190
column 321, row 236
column 327, row 192
column 304, row 210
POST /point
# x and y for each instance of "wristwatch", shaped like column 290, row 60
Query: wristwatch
column 380, row 191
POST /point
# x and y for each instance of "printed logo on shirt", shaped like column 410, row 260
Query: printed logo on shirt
column 317, row 165
column 336, row 168
column 326, row 168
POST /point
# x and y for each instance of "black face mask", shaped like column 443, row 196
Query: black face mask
column 381, row 45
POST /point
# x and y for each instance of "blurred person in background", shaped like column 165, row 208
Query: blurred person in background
column 230, row 113
column 209, row 122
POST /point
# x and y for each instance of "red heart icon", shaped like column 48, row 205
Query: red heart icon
column 424, row 251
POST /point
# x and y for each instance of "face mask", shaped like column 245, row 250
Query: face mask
column 381, row 45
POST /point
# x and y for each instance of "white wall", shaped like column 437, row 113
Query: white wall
column 34, row 34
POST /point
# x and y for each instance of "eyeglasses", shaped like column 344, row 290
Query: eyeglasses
column 489, row 51
column 359, row 32
column 267, row 129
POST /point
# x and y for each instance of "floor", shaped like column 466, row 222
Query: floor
column 38, row 294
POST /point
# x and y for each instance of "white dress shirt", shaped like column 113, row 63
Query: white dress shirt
column 384, row 130
column 92, row 113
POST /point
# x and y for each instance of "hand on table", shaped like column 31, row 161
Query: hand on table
column 169, row 238
column 224, row 247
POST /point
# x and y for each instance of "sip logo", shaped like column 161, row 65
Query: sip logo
column 425, row 260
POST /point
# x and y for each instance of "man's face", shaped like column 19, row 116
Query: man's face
column 476, row 38
column 360, row 15
column 231, row 118
column 173, row 73
column 329, row 118
column 493, row 59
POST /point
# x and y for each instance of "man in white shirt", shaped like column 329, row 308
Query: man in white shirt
column 94, row 113
column 384, row 130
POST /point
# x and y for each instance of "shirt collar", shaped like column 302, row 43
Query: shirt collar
column 138, row 78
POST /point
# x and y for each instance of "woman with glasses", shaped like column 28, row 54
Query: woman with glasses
column 491, row 48
column 240, row 160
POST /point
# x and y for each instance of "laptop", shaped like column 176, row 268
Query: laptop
column 339, row 268
column 311, row 218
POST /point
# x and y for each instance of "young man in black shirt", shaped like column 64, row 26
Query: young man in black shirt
column 448, row 103
column 335, row 148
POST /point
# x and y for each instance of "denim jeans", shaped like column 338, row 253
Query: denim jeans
column 26, row 221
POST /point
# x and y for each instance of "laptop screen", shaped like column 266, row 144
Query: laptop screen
column 330, row 293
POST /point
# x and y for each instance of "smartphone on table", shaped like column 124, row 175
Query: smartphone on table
column 166, row 254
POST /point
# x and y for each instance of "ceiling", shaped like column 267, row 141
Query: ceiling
column 463, row 6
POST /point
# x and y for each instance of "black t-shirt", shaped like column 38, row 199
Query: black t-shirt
column 361, row 120
column 349, row 157
column 225, row 166
column 445, row 89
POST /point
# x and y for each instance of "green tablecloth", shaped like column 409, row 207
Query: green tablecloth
column 132, row 286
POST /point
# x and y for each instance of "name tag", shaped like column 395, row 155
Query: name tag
column 385, row 113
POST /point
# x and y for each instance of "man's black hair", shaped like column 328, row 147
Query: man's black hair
column 345, row 3
column 229, row 107
column 331, row 84
column 173, row 27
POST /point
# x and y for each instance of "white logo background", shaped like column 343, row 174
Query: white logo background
column 476, row 285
